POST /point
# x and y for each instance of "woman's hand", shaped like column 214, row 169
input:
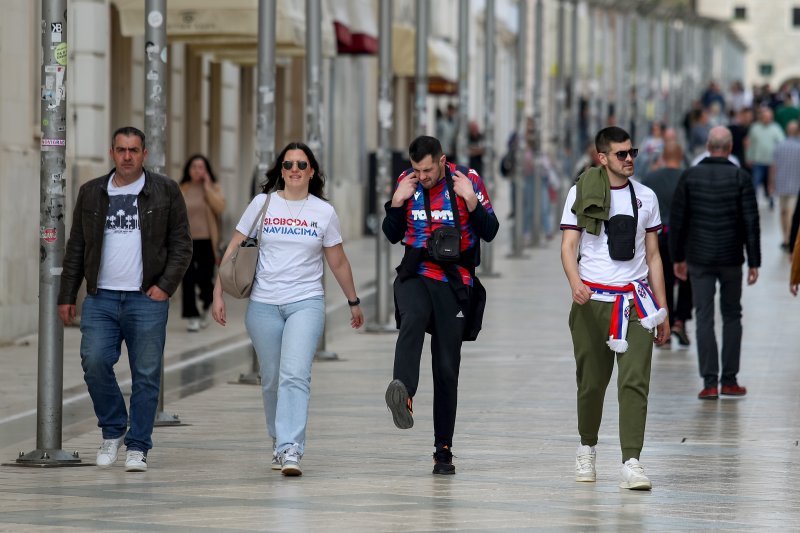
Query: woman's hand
column 218, row 309
column 356, row 317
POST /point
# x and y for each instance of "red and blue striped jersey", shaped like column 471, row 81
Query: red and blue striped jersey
column 418, row 230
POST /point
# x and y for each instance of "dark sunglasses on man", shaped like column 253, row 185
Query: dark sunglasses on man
column 302, row 165
column 622, row 155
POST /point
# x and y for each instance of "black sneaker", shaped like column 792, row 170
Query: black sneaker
column 399, row 403
column 443, row 461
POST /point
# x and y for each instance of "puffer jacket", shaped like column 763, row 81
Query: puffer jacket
column 166, row 242
column 714, row 216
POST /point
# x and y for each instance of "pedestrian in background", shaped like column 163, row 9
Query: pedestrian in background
column 785, row 172
column 713, row 219
column 204, row 206
column 433, row 294
column 663, row 182
column 130, row 241
column 286, row 313
column 762, row 139
column 612, row 221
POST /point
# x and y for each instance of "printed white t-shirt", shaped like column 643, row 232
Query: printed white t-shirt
column 595, row 264
column 290, row 256
column 121, row 258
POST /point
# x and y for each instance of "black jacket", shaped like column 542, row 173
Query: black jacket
column 714, row 216
column 166, row 241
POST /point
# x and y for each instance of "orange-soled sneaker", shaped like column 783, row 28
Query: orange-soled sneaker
column 443, row 461
column 733, row 390
column 399, row 403
column 709, row 393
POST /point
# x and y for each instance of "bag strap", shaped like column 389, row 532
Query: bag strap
column 259, row 218
column 634, row 205
column 453, row 201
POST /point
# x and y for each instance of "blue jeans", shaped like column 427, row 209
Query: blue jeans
column 108, row 318
column 285, row 338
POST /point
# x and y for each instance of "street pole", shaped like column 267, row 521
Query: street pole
column 536, row 223
column 488, row 176
column 313, row 120
column 383, row 183
column 52, row 183
column 265, row 121
column 155, row 123
column 421, row 70
column 462, row 157
column 522, row 137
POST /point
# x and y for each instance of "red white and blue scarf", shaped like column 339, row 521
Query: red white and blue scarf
column 650, row 313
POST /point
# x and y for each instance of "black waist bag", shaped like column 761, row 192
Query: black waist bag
column 444, row 244
column 621, row 232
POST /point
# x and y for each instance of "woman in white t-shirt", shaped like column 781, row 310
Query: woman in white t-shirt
column 286, row 313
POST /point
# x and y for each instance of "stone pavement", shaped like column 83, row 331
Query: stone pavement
column 724, row 464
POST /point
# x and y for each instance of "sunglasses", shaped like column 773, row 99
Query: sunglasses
column 287, row 165
column 622, row 155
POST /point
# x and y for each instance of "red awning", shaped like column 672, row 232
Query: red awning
column 356, row 26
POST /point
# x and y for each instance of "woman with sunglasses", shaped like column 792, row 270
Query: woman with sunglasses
column 286, row 312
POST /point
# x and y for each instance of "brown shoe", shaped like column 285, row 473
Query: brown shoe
column 709, row 393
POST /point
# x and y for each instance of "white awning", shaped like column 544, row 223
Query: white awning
column 442, row 56
column 229, row 27
column 356, row 26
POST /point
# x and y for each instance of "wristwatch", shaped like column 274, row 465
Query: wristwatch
column 353, row 303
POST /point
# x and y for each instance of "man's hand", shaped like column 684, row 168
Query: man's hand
column 681, row 270
column 66, row 312
column 462, row 186
column 405, row 189
column 663, row 333
column 752, row 275
column 155, row 293
column 580, row 293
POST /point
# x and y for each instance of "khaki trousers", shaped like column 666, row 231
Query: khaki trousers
column 594, row 360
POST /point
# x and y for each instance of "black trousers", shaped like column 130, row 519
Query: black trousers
column 704, row 285
column 682, row 309
column 426, row 304
column 199, row 277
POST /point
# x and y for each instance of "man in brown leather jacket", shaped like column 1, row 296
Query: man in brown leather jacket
column 130, row 240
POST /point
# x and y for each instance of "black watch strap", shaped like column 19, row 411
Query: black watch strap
column 353, row 303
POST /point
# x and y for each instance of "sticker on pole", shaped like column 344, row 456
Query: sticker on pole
column 155, row 19
column 61, row 54
column 49, row 235
column 54, row 142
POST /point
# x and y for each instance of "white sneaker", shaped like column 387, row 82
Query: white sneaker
column 135, row 461
column 276, row 461
column 290, row 461
column 107, row 454
column 204, row 319
column 584, row 464
column 193, row 325
column 632, row 476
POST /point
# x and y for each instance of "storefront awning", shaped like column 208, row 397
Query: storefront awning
column 356, row 26
column 229, row 27
column 442, row 56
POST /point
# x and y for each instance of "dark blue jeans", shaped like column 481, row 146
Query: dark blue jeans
column 108, row 318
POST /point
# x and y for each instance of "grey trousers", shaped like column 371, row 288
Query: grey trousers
column 704, row 287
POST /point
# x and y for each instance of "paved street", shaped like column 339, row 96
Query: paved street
column 726, row 464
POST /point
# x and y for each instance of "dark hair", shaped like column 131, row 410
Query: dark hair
column 611, row 134
column 275, row 181
column 128, row 131
column 424, row 145
column 186, row 177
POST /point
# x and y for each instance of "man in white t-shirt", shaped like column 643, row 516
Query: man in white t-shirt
column 130, row 241
column 610, row 254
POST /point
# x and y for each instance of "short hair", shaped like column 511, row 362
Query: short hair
column 719, row 138
column 424, row 145
column 128, row 131
column 611, row 134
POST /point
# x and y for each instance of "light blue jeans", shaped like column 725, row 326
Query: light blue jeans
column 285, row 338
